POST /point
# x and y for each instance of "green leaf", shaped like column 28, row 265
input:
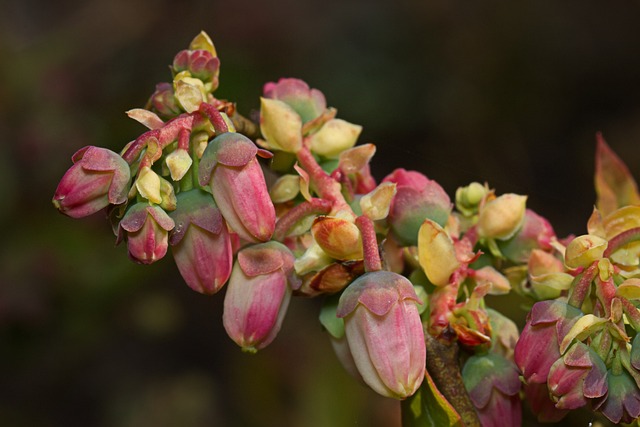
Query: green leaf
column 429, row 408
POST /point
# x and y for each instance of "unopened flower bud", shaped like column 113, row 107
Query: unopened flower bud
column 200, row 242
column 622, row 402
column 535, row 233
column 281, row 126
column 229, row 166
column 493, row 385
column 384, row 331
column 164, row 102
column 502, row 217
column 99, row 177
column 417, row 198
column 468, row 198
column 147, row 232
column 199, row 63
column 308, row 103
column 258, row 294
column 539, row 344
column 334, row 137
column 576, row 377
column 584, row 250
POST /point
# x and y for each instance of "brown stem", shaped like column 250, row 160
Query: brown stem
column 443, row 366
column 369, row 244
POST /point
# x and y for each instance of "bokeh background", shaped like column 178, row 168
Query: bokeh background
column 511, row 93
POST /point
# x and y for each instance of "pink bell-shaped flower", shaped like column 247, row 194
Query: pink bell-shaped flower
column 493, row 385
column 200, row 242
column 147, row 232
column 308, row 103
column 258, row 294
column 98, row 177
column 417, row 198
column 229, row 166
column 539, row 344
column 384, row 332
column 576, row 377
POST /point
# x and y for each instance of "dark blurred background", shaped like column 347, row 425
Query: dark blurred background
column 511, row 93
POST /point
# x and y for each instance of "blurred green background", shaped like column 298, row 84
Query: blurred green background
column 507, row 92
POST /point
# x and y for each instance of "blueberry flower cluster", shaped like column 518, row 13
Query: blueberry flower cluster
column 287, row 207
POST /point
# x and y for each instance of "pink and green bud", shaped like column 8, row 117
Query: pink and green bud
column 539, row 344
column 258, row 294
column 622, row 402
column 98, row 177
column 308, row 103
column 502, row 217
column 578, row 376
column 164, row 102
column 147, row 232
column 536, row 233
column 493, row 386
column 384, row 332
column 229, row 166
column 417, row 198
column 200, row 242
column 199, row 63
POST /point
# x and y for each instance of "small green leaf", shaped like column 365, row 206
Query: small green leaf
column 328, row 318
column 429, row 408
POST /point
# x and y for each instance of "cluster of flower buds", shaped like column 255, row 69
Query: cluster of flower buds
column 584, row 350
column 190, row 182
column 394, row 261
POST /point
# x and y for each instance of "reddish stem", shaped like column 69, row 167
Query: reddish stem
column 605, row 291
column 288, row 220
column 165, row 136
column 327, row 187
column 622, row 239
column 183, row 139
column 214, row 117
column 632, row 313
column 581, row 285
column 369, row 244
